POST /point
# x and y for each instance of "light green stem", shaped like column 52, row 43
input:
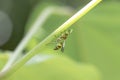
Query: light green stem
column 42, row 44
column 35, row 27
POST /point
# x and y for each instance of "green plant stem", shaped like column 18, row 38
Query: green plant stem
column 36, row 26
column 42, row 44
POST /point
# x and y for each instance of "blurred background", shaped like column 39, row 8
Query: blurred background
column 92, row 48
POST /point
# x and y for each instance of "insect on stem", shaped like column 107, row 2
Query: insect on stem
column 60, row 42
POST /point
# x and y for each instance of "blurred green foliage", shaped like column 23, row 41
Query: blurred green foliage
column 18, row 12
column 75, row 3
column 48, row 27
column 95, row 40
column 3, row 58
column 99, row 39
column 58, row 68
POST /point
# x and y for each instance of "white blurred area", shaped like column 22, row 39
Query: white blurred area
column 39, row 58
column 5, row 28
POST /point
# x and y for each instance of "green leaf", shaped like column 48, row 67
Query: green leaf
column 99, row 39
column 57, row 68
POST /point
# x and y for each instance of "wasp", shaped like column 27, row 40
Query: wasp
column 60, row 42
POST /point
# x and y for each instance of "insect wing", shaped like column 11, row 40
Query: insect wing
column 63, row 45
